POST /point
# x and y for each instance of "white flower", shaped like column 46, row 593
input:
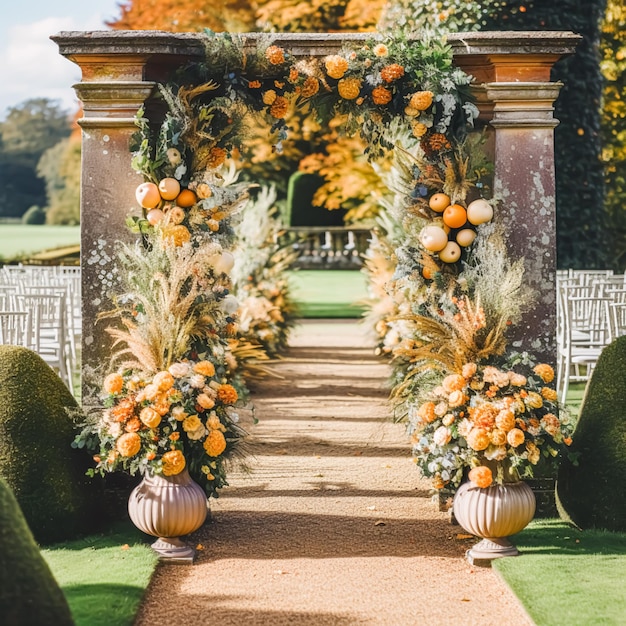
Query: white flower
column 178, row 370
column 442, row 436
column 197, row 381
column 115, row 429
column 495, row 453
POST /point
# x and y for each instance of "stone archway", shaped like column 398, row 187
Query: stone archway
column 512, row 87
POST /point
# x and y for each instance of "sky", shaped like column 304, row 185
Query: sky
column 30, row 63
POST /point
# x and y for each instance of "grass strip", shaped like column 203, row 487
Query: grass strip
column 103, row 576
column 329, row 293
column 17, row 240
column 566, row 577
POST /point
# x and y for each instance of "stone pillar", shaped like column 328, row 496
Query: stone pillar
column 524, row 183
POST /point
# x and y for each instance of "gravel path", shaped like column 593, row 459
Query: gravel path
column 332, row 524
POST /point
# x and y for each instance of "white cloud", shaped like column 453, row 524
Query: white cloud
column 32, row 66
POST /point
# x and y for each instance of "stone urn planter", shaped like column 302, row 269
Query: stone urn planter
column 494, row 513
column 169, row 507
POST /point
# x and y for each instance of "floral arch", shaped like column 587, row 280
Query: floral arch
column 187, row 207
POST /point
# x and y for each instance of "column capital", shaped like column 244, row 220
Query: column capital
column 518, row 104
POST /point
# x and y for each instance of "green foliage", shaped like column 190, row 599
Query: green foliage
column 36, row 459
column 29, row 129
column 300, row 207
column 613, row 67
column 591, row 490
column 568, row 576
column 60, row 167
column 34, row 216
column 109, row 570
column 29, row 594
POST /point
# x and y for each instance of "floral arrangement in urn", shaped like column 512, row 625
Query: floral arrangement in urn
column 500, row 423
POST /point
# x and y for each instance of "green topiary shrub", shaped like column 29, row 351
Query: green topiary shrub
column 29, row 594
column 36, row 459
column 35, row 216
column 592, row 492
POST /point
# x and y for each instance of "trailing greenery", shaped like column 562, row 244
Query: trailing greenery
column 36, row 460
column 29, row 594
column 591, row 490
column 566, row 576
column 109, row 570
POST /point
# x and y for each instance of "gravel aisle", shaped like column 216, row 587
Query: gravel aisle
column 332, row 524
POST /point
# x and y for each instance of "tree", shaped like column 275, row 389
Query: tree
column 29, row 129
column 613, row 67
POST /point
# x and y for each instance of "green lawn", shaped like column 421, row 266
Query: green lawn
column 568, row 577
column 329, row 293
column 19, row 239
column 103, row 576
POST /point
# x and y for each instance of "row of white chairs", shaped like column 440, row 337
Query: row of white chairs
column 40, row 309
column 591, row 313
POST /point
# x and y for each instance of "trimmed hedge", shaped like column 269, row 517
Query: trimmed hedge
column 593, row 493
column 29, row 594
column 36, row 459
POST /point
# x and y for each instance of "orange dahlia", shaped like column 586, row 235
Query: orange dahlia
column 392, row 72
column 381, row 95
column 310, row 87
column 275, row 55
column 206, row 368
column 215, row 443
column 427, row 412
column 123, row 410
column 227, row 394
column 478, row 439
column 113, row 383
column 544, row 371
column 349, row 88
column 421, row 100
column 278, row 110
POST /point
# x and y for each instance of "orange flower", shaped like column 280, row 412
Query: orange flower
column 269, row 96
column 484, row 415
column 150, row 417
column 175, row 436
column 534, row 400
column 293, row 75
column 567, row 441
column 216, row 157
column 123, row 410
column 206, row 368
column 426, row 412
column 435, row 143
column 438, row 482
column 275, row 55
column 392, row 72
column 478, row 439
column 421, row 100
column 132, row 425
column 497, row 437
column 505, row 420
column 349, row 88
column 545, row 372
column 457, row 398
column 179, row 234
column 549, row 394
column 481, row 476
column 227, row 394
column 336, row 66
column 515, row 437
column 215, row 443
column 381, row 95
column 151, row 456
column 453, row 382
column 254, row 84
column 310, row 87
column 419, row 129
column 469, row 369
column 381, row 50
column 550, row 423
column 163, row 380
column 205, row 401
column 278, row 110
column 113, row 383
column 128, row 444
column 173, row 462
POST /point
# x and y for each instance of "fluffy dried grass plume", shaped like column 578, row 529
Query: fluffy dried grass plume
column 163, row 289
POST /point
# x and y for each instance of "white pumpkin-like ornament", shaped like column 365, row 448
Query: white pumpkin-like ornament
column 223, row 262
column 451, row 253
column 479, row 212
column 433, row 238
column 465, row 237
column 229, row 304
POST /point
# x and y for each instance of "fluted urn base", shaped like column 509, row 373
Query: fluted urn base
column 168, row 507
column 493, row 513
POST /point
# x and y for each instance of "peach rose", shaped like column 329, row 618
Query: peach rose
column 517, row 380
column 448, row 419
column 173, row 462
column 533, row 452
column 453, row 382
column 469, row 370
column 505, row 420
column 549, row 394
column 150, row 417
column 457, row 398
column 113, row 383
column 191, row 423
column 442, row 436
column 336, row 66
column 533, row 400
column 515, row 437
column 484, row 415
column 205, row 401
column 128, row 444
column 481, row 476
column 381, row 50
column 426, row 412
column 497, row 437
column 478, row 439
column 178, row 412
column 550, row 423
column 421, row 100
column 178, row 370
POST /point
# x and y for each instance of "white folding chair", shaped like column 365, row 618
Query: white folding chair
column 16, row 328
